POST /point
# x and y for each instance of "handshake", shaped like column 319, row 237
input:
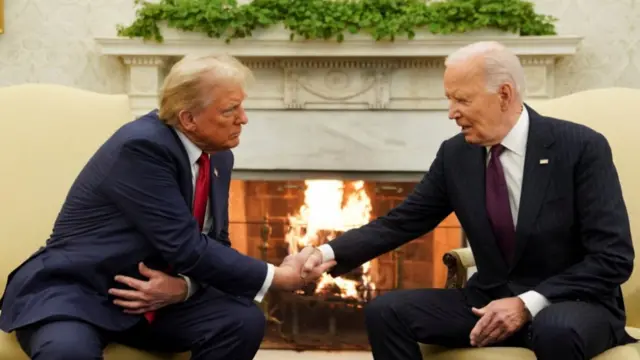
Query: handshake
column 300, row 269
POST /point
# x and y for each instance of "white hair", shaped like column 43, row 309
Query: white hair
column 501, row 65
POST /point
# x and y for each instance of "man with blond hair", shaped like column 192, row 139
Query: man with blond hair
column 140, row 252
column 541, row 204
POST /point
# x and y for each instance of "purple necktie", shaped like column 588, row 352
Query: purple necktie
column 498, row 208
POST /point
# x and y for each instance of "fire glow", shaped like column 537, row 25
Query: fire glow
column 326, row 213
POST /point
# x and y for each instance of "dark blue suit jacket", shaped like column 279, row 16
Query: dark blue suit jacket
column 130, row 203
column 573, row 241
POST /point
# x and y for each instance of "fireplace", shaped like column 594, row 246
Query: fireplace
column 270, row 219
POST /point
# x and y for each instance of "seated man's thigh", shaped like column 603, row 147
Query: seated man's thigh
column 212, row 325
column 572, row 330
column 430, row 316
column 62, row 340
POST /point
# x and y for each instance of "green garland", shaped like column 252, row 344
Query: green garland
column 330, row 19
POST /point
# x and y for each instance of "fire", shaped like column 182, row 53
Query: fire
column 324, row 215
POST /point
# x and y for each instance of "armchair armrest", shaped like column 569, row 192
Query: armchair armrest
column 457, row 262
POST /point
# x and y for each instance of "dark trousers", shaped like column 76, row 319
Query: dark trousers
column 398, row 320
column 212, row 325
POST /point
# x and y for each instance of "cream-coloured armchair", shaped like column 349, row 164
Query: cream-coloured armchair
column 613, row 113
column 48, row 133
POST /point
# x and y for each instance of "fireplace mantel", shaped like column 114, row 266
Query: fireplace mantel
column 357, row 74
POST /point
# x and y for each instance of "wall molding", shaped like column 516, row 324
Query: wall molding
column 358, row 74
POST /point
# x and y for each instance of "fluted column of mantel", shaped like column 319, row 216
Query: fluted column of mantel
column 146, row 74
column 539, row 75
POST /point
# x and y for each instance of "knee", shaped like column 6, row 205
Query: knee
column 65, row 349
column 249, row 326
column 380, row 310
column 65, row 340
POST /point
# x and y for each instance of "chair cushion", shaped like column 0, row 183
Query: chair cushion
column 431, row 352
column 10, row 350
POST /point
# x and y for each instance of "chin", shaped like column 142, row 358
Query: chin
column 470, row 139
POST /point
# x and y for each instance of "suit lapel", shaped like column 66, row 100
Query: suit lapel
column 538, row 166
column 473, row 173
column 185, row 176
column 214, row 204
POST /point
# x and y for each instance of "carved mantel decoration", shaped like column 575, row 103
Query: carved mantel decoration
column 358, row 74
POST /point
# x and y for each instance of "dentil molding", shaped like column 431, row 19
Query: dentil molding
column 357, row 74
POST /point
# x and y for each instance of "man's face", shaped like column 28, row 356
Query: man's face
column 478, row 112
column 219, row 125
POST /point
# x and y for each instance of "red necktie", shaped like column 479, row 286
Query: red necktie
column 199, row 202
column 202, row 189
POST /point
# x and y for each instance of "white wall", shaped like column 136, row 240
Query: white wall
column 52, row 41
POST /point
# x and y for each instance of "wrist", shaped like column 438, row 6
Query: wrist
column 185, row 286
column 525, row 309
column 277, row 277
column 281, row 278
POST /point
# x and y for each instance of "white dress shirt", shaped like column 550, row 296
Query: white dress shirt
column 512, row 159
column 194, row 152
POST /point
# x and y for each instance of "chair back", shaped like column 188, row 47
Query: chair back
column 49, row 134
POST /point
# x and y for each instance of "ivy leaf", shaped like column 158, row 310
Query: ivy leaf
column 326, row 19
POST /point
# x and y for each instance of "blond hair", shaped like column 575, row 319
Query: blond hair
column 501, row 65
column 191, row 80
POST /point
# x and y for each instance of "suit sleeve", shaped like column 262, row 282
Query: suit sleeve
column 142, row 183
column 418, row 214
column 603, row 226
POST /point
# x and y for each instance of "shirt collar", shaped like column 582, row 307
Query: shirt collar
column 193, row 151
column 516, row 139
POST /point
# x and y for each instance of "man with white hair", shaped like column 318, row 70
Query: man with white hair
column 541, row 204
column 144, row 222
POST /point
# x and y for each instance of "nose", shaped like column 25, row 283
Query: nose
column 453, row 111
column 242, row 116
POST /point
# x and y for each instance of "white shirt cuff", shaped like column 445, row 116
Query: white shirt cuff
column 534, row 302
column 266, row 284
column 327, row 252
column 192, row 286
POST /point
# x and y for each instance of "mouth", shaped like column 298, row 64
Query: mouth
column 235, row 136
column 465, row 128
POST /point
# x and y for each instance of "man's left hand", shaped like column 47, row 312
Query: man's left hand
column 158, row 291
column 498, row 320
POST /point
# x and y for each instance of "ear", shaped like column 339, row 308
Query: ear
column 506, row 93
column 186, row 120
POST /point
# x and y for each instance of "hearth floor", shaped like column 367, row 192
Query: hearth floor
column 312, row 355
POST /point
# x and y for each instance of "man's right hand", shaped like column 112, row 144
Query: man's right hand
column 313, row 261
column 292, row 273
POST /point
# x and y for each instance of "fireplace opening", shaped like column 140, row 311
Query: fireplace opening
column 270, row 219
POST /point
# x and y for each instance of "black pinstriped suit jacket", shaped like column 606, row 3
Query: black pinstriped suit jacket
column 573, row 236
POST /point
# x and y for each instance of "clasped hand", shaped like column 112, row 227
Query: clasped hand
column 300, row 269
column 158, row 291
column 498, row 320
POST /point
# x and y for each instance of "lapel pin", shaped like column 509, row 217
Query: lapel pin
column 544, row 161
column 215, row 172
